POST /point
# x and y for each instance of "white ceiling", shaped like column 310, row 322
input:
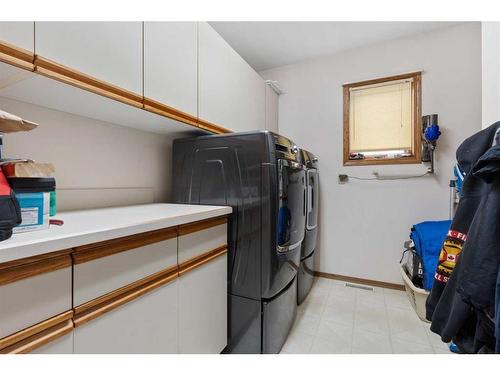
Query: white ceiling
column 266, row 45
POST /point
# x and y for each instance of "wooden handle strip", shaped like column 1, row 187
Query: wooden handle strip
column 199, row 260
column 31, row 269
column 40, row 339
column 201, row 225
column 118, row 293
column 170, row 112
column 32, row 333
column 112, row 304
column 102, row 249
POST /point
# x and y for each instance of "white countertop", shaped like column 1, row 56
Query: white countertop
column 90, row 226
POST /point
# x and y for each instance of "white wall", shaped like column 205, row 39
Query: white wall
column 97, row 164
column 490, row 72
column 363, row 224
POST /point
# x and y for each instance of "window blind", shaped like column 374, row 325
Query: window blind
column 381, row 117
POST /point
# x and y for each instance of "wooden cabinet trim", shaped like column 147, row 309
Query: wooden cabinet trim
column 81, row 80
column 24, row 340
column 80, row 309
column 40, row 339
column 201, row 225
column 200, row 260
column 86, row 79
column 102, row 249
column 170, row 112
column 211, row 127
column 16, row 56
column 34, row 259
column 20, row 270
column 95, row 308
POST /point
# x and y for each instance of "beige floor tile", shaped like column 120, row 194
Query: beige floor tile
column 371, row 318
column 311, row 308
column 336, row 319
column 393, row 291
column 339, row 289
column 434, row 339
column 342, row 313
column 407, row 347
column 399, row 300
column 323, row 346
column 405, row 325
column 298, row 342
column 373, row 298
column 443, row 351
column 368, row 342
column 333, row 330
column 307, row 323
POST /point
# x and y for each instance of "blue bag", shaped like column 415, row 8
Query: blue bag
column 428, row 238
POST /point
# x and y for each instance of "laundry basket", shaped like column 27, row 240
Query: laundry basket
column 416, row 295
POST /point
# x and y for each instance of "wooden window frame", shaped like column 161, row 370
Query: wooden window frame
column 417, row 121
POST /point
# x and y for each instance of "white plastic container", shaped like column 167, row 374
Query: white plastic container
column 417, row 296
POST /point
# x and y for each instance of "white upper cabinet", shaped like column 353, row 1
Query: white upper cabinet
column 109, row 51
column 19, row 34
column 170, row 64
column 272, row 102
column 231, row 93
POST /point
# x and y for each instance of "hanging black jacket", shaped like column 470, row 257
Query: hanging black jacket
column 460, row 309
column 482, row 260
column 468, row 153
column 497, row 315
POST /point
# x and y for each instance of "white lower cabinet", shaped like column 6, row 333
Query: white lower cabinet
column 30, row 301
column 147, row 324
column 203, row 308
column 62, row 345
column 163, row 291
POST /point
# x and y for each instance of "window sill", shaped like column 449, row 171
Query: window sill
column 373, row 161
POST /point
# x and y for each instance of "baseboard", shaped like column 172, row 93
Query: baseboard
column 357, row 280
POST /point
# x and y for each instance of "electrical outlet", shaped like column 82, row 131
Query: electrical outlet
column 343, row 178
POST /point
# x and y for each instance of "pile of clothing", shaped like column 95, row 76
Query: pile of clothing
column 428, row 237
column 463, row 305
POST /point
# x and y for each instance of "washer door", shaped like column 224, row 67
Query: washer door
column 291, row 207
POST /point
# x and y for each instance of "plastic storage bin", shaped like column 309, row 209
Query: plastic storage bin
column 33, row 195
column 417, row 296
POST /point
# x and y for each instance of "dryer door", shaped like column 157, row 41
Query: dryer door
column 312, row 198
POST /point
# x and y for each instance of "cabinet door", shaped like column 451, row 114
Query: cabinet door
column 97, row 277
column 170, row 64
column 32, row 300
column 203, row 308
column 272, row 100
column 147, row 324
column 109, row 51
column 19, row 34
column 231, row 93
column 62, row 345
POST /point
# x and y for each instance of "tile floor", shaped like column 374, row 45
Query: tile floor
column 337, row 319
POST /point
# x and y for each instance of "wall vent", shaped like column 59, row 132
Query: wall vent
column 357, row 286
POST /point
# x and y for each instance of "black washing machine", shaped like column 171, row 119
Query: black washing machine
column 261, row 176
column 306, row 273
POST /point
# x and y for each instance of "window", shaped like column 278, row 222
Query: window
column 382, row 120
